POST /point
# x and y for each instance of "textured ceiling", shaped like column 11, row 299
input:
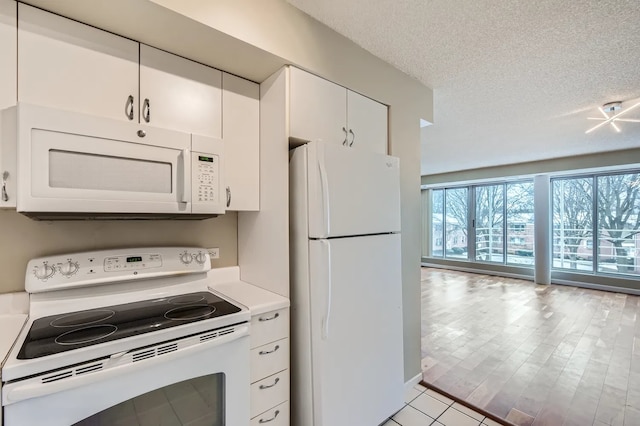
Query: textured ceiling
column 513, row 80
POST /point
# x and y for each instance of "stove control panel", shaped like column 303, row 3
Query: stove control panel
column 110, row 266
column 130, row 263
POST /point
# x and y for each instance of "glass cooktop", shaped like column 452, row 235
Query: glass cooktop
column 73, row 330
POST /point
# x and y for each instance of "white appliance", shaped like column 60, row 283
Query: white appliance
column 60, row 164
column 347, row 353
column 131, row 337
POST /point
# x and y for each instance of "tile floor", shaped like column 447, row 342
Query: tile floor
column 426, row 407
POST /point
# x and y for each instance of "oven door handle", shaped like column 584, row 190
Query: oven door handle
column 112, row 367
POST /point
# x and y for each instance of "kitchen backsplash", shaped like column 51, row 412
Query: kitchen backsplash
column 24, row 239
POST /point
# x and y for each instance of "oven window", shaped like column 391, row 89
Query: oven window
column 193, row 402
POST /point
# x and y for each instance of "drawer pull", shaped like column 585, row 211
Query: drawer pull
column 261, row 319
column 261, row 421
column 269, row 352
column 270, row 386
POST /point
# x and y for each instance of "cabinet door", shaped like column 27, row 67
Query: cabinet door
column 182, row 95
column 241, row 136
column 318, row 108
column 72, row 66
column 367, row 121
column 8, row 66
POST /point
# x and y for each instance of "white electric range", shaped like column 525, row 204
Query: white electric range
column 128, row 337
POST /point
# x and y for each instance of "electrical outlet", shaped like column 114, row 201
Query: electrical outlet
column 214, row 252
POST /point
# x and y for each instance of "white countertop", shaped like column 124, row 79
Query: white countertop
column 14, row 308
column 258, row 300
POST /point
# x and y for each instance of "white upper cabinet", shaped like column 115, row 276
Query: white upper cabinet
column 179, row 94
column 367, row 123
column 72, row 66
column 322, row 110
column 69, row 65
column 241, row 136
column 8, row 65
column 317, row 108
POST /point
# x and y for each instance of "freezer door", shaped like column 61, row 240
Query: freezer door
column 356, row 329
column 351, row 191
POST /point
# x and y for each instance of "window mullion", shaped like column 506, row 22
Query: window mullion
column 504, row 223
column 595, row 238
column 471, row 224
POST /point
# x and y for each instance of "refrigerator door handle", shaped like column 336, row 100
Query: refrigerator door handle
column 325, row 322
column 325, row 189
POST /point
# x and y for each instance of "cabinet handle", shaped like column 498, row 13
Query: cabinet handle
column 261, row 421
column 228, row 196
column 128, row 108
column 146, row 110
column 142, row 133
column 270, row 386
column 5, row 176
column 261, row 319
column 354, row 137
column 346, row 136
column 269, row 352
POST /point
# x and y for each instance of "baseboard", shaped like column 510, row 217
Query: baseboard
column 412, row 382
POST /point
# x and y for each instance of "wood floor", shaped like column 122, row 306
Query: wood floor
column 533, row 355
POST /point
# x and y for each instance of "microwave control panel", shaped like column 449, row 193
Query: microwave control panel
column 207, row 173
column 206, row 184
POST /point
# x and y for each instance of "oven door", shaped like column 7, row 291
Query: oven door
column 204, row 381
column 70, row 162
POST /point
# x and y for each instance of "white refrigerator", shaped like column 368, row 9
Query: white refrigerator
column 346, row 286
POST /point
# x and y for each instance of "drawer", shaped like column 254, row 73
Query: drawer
column 277, row 416
column 269, row 359
column 269, row 392
column 269, row 327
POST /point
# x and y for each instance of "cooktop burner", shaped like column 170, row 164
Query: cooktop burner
column 64, row 332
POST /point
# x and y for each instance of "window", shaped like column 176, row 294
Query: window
column 618, row 218
column 572, row 223
column 518, row 241
column 489, row 223
column 595, row 225
column 501, row 227
column 520, row 223
column 437, row 213
column 455, row 213
column 613, row 217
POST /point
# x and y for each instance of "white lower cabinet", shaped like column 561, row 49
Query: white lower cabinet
column 269, row 359
column 277, row 416
column 269, row 392
column 270, row 368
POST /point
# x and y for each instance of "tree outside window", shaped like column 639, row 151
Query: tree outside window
column 618, row 210
column 572, row 222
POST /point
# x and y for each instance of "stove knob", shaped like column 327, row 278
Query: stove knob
column 201, row 258
column 69, row 268
column 43, row 272
column 186, row 258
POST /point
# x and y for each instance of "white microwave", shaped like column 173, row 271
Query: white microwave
column 64, row 165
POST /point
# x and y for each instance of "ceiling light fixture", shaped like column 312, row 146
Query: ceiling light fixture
column 612, row 107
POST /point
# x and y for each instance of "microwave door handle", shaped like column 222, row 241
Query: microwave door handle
column 185, row 195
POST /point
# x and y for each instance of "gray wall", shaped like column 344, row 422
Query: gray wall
column 579, row 162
